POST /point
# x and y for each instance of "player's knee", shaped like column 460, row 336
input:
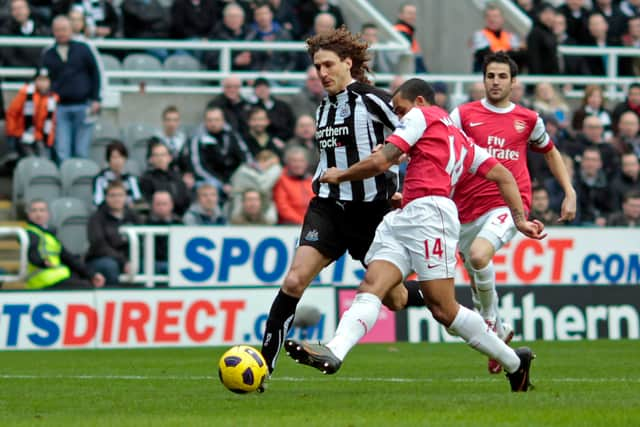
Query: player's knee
column 441, row 313
column 396, row 300
column 294, row 284
column 479, row 259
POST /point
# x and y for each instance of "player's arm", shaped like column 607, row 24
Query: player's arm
column 559, row 171
column 375, row 164
column 511, row 195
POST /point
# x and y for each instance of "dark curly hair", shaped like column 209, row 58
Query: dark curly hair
column 346, row 45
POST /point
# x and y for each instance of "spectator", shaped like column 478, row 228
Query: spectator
column 194, row 19
column 266, row 29
column 593, row 105
column 232, row 28
column 542, row 45
column 205, row 210
column 598, row 27
column 592, row 135
column 576, row 16
column 631, row 103
column 309, row 10
column 547, row 101
column 517, row 94
column 381, row 61
column 260, row 175
column 171, row 135
column 258, row 138
column 162, row 213
column 108, row 251
column 51, row 266
column 287, row 17
column 540, row 209
column 252, row 212
column 22, row 24
column 280, row 115
column 595, row 202
column 406, row 25
column 396, row 83
column 441, row 92
column 629, row 178
column 528, row 7
column 116, row 156
column 75, row 77
column 31, row 117
column 216, row 151
column 616, row 20
column 627, row 139
column 306, row 101
column 538, row 167
column 160, row 177
column 567, row 64
column 493, row 38
column 630, row 66
column 231, row 102
column 556, row 195
column 304, row 135
column 629, row 216
column 292, row 192
column 78, row 23
column 476, row 92
column 144, row 19
column 101, row 18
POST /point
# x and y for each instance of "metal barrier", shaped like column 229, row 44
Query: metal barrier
column 143, row 236
column 23, row 239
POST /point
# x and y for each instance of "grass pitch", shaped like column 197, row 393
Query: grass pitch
column 584, row 383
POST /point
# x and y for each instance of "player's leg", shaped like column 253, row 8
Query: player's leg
column 439, row 296
column 481, row 271
column 307, row 263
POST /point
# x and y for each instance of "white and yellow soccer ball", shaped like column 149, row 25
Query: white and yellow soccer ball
column 242, row 369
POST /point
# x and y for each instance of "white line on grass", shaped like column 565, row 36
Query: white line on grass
column 300, row 379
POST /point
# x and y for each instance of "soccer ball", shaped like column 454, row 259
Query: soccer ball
column 242, row 369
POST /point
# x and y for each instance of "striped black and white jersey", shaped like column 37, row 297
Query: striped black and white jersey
column 349, row 125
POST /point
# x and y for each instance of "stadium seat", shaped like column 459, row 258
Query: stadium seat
column 77, row 178
column 182, row 63
column 42, row 181
column 138, row 151
column 70, row 216
column 36, row 171
column 105, row 129
column 136, row 132
column 142, row 62
column 133, row 167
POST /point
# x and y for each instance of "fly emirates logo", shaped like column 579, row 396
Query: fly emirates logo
column 329, row 137
column 495, row 147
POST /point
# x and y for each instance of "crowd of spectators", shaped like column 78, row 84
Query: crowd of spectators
column 250, row 160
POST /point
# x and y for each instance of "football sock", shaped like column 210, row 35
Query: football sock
column 355, row 323
column 415, row 298
column 471, row 327
column 279, row 322
column 486, row 288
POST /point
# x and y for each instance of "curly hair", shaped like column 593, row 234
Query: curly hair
column 346, row 45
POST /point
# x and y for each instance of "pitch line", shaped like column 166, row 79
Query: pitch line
column 312, row 379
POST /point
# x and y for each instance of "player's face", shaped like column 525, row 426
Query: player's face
column 401, row 106
column 497, row 82
column 335, row 73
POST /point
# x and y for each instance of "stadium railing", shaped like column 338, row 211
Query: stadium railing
column 23, row 240
column 615, row 85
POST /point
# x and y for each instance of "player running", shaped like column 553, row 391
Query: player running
column 351, row 120
column 506, row 130
column 423, row 235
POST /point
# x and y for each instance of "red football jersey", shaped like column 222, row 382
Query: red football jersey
column 439, row 153
column 506, row 133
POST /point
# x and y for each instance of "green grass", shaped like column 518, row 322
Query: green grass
column 581, row 383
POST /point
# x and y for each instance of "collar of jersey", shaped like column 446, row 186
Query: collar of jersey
column 495, row 109
column 341, row 94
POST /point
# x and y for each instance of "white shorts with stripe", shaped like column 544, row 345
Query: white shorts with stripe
column 420, row 237
column 496, row 226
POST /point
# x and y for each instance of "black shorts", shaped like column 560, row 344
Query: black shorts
column 333, row 226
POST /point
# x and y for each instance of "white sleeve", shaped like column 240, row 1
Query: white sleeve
column 455, row 116
column 411, row 127
column 479, row 41
column 480, row 155
column 539, row 137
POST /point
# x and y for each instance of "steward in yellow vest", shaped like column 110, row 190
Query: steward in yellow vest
column 51, row 266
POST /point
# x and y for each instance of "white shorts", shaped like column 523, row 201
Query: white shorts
column 420, row 237
column 496, row 226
